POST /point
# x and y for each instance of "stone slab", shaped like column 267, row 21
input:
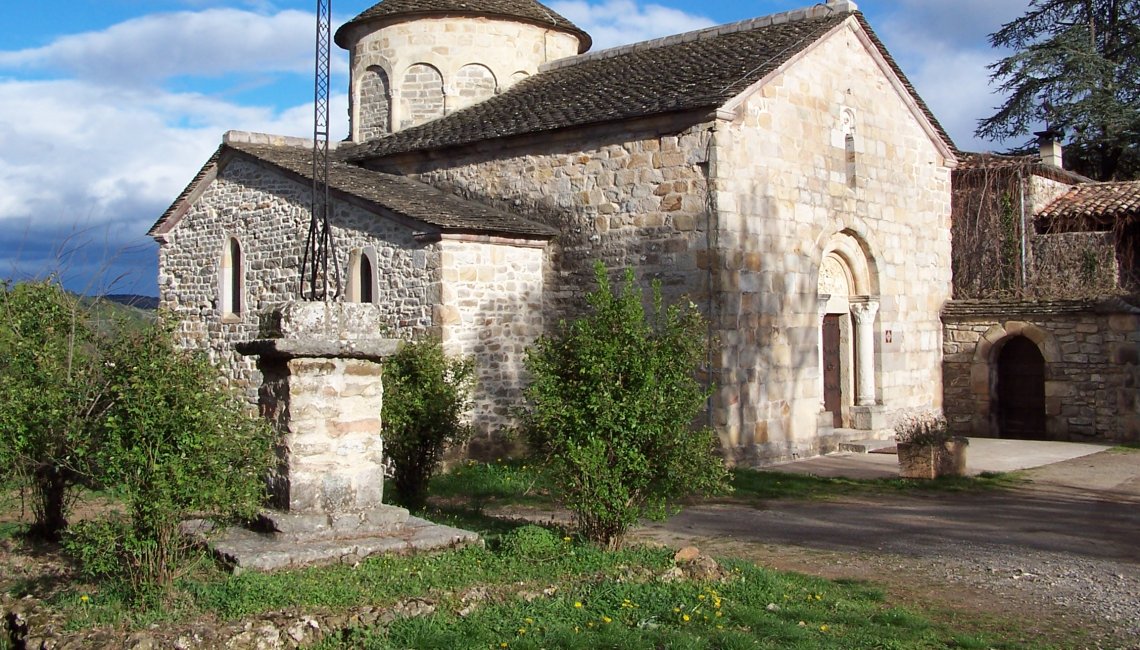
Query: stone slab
column 374, row 522
column 246, row 549
column 986, row 455
column 866, row 445
column 375, row 349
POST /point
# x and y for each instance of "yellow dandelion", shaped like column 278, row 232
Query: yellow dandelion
column 701, row 597
column 504, row 645
column 607, row 619
column 84, row 598
column 577, row 604
column 589, row 624
column 823, row 628
column 522, row 631
column 566, row 539
column 685, row 618
column 676, row 610
column 719, row 614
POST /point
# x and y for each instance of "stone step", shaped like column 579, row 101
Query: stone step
column 345, row 525
column 867, row 446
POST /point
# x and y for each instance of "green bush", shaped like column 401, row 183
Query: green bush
column 425, row 395
column 177, row 443
column 612, row 406
column 52, row 392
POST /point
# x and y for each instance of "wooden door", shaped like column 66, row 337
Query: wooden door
column 1021, row 391
column 832, row 377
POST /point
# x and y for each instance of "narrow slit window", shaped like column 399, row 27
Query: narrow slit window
column 362, row 275
column 232, row 280
column 849, row 145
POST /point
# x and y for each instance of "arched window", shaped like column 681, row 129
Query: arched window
column 232, row 281
column 362, row 275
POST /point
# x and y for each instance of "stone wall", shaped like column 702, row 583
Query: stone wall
column 1092, row 365
column 421, row 95
column 506, row 50
column 825, row 157
column 627, row 198
column 375, row 108
column 268, row 213
column 492, row 310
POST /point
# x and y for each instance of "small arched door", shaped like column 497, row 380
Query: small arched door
column 1021, row 390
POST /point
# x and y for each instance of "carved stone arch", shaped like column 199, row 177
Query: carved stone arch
column 856, row 254
column 471, row 84
column 989, row 345
column 421, row 94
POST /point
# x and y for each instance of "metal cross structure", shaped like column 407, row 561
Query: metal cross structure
column 316, row 281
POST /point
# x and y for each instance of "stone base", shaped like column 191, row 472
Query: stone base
column 246, row 549
column 932, row 461
column 377, row 521
column 869, row 418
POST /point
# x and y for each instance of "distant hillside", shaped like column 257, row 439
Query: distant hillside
column 146, row 303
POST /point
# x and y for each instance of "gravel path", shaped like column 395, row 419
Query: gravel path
column 1061, row 552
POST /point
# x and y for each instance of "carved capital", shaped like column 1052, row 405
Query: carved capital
column 864, row 312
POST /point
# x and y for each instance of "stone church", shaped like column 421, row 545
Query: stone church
column 780, row 172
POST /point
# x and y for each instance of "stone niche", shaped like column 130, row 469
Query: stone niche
column 322, row 389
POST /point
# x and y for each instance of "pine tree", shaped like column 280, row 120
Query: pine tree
column 1075, row 69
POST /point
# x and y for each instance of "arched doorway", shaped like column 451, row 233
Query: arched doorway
column 1020, row 390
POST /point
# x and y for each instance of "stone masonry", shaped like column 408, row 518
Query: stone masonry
column 432, row 57
column 635, row 199
column 1092, row 365
column 268, row 213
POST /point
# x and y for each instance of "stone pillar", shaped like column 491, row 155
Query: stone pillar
column 327, row 413
column 322, row 390
column 864, row 313
column 821, row 309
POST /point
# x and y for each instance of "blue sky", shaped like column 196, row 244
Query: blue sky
column 109, row 107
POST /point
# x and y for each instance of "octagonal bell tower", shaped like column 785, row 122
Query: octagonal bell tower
column 413, row 61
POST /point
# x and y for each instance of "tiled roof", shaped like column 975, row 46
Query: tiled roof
column 174, row 209
column 397, row 194
column 702, row 70
column 527, row 10
column 1095, row 203
column 970, row 161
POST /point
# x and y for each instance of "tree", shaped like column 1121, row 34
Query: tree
column 425, row 395
column 177, row 443
column 612, row 407
column 1076, row 68
column 52, row 395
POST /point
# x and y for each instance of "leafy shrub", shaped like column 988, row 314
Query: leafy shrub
column 176, row 443
column 612, row 406
column 532, row 542
column 52, row 393
column 425, row 395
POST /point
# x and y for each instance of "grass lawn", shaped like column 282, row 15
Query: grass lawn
column 540, row 589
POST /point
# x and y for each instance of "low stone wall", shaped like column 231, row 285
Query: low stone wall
column 1092, row 365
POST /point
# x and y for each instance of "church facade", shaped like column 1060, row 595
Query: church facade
column 781, row 173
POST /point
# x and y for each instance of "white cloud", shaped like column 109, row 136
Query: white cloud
column 156, row 47
column 618, row 22
column 73, row 149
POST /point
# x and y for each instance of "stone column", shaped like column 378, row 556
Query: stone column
column 821, row 308
column 864, row 313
